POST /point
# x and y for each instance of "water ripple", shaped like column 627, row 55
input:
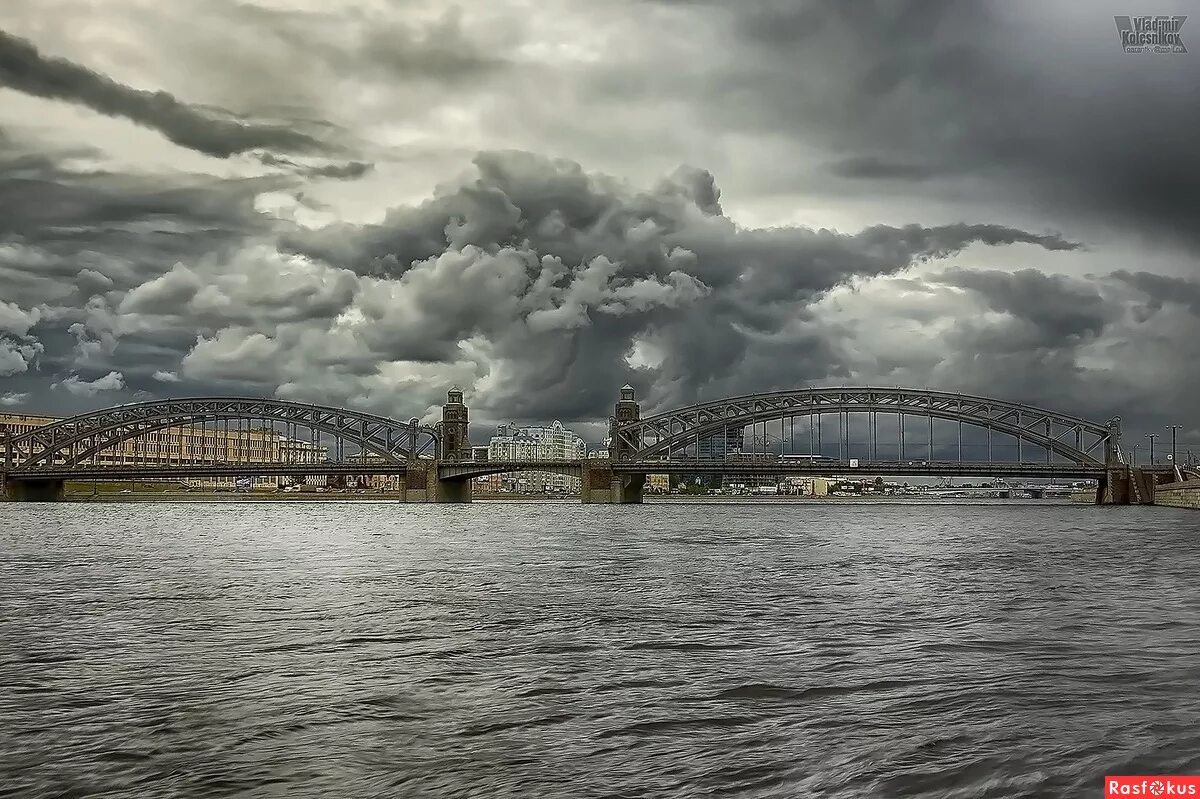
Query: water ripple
column 515, row 650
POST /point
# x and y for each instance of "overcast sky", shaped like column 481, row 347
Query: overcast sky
column 540, row 201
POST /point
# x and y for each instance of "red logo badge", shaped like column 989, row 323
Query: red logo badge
column 1151, row 787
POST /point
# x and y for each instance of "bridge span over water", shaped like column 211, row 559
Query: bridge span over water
column 806, row 431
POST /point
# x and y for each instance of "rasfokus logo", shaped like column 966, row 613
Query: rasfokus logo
column 1152, row 787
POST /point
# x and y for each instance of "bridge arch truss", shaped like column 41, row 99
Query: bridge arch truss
column 82, row 439
column 1070, row 438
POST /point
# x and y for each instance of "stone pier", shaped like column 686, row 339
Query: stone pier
column 1132, row 485
column 601, row 486
column 16, row 490
column 421, row 484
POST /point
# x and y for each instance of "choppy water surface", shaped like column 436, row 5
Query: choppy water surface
column 533, row 650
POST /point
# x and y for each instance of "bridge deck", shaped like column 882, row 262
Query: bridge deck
column 866, row 468
column 151, row 472
column 468, row 469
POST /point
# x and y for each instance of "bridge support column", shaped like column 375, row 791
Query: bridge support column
column 627, row 489
column 452, row 491
column 16, row 490
column 1114, row 487
column 421, row 484
column 601, row 486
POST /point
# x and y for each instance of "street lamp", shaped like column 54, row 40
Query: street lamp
column 1173, row 428
column 1152, row 436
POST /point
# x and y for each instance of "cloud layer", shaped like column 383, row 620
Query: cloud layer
column 364, row 207
column 24, row 68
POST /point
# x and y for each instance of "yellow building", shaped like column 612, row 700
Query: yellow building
column 17, row 424
column 382, row 482
column 489, row 484
column 658, row 483
column 213, row 443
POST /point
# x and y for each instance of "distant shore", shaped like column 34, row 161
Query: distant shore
column 380, row 496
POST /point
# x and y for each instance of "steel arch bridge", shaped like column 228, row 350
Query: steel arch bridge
column 1072, row 439
column 79, row 439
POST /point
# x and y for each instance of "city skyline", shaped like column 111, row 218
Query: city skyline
column 363, row 208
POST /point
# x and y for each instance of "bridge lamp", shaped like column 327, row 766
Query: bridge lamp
column 1173, row 428
column 1152, row 436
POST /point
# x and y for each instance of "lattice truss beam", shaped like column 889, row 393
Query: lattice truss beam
column 1074, row 439
column 74, row 440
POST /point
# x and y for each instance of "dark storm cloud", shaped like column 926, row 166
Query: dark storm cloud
column 73, row 241
column 1005, row 103
column 49, row 202
column 1060, row 308
column 74, row 235
column 538, row 221
column 376, row 45
column 348, row 170
column 873, row 167
column 541, row 286
column 558, row 208
column 1095, row 346
column 24, row 68
column 553, row 283
column 1163, row 290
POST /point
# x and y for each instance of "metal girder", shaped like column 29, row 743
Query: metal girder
column 661, row 433
column 843, row 467
column 573, row 468
column 73, row 440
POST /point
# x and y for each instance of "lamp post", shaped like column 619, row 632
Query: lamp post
column 1152, row 436
column 1173, row 428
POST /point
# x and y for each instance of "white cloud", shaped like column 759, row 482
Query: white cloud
column 17, row 321
column 232, row 354
column 16, row 356
column 166, row 377
column 113, row 381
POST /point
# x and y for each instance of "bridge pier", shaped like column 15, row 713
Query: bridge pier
column 452, row 491
column 627, row 489
column 16, row 490
column 1114, row 488
column 1129, row 485
column 421, row 484
column 601, row 486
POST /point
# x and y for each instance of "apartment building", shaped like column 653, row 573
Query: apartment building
column 513, row 442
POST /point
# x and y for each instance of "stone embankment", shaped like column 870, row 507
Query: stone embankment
column 1185, row 494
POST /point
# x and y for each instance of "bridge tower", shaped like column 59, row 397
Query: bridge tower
column 627, row 411
column 456, row 442
column 601, row 483
column 1112, row 446
column 6, row 467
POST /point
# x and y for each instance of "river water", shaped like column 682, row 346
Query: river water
column 560, row 650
